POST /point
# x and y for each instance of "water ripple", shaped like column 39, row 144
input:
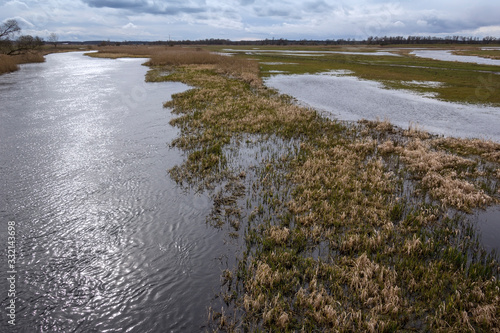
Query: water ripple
column 107, row 242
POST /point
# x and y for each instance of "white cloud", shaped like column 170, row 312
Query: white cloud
column 422, row 23
column 129, row 25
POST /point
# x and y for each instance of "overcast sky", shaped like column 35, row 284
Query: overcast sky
column 152, row 20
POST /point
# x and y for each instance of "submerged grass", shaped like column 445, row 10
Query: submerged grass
column 346, row 227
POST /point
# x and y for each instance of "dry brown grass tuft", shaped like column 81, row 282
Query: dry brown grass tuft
column 246, row 70
column 375, row 285
column 443, row 174
column 7, row 64
column 421, row 159
column 10, row 63
column 454, row 192
column 29, row 57
column 487, row 149
column 279, row 235
column 414, row 131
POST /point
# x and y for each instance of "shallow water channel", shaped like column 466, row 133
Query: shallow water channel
column 105, row 240
column 445, row 55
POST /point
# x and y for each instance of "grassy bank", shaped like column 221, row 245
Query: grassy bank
column 345, row 226
column 10, row 64
column 491, row 54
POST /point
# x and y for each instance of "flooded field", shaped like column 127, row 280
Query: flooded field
column 257, row 51
column 445, row 55
column 349, row 98
column 287, row 218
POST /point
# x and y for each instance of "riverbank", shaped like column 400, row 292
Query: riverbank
column 347, row 226
column 9, row 64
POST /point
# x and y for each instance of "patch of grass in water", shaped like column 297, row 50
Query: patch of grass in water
column 341, row 230
column 333, row 241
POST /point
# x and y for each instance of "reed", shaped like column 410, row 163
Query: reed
column 7, row 64
column 10, row 63
column 29, row 57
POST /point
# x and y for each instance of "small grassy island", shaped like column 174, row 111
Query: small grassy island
column 345, row 226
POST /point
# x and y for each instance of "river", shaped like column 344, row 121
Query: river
column 105, row 240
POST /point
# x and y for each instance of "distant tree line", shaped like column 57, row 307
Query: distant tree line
column 431, row 40
column 391, row 40
column 397, row 40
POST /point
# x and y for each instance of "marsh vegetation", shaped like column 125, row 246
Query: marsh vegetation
column 346, row 226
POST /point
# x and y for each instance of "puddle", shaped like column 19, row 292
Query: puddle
column 488, row 226
column 446, row 55
column 423, row 84
column 313, row 53
column 338, row 72
column 278, row 63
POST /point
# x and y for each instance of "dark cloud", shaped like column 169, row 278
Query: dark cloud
column 318, row 6
column 484, row 15
column 446, row 25
column 141, row 6
column 267, row 12
column 122, row 4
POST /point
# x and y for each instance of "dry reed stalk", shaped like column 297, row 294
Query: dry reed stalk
column 487, row 149
column 29, row 57
column 7, row 64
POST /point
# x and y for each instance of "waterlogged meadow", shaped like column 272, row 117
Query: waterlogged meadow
column 345, row 226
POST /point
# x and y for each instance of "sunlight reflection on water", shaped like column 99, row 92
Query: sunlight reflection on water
column 107, row 241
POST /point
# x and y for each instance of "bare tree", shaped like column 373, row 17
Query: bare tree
column 8, row 28
column 53, row 39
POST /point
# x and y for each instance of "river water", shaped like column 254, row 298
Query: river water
column 105, row 241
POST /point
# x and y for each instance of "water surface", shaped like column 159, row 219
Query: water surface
column 449, row 56
column 349, row 98
column 106, row 241
column 311, row 53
